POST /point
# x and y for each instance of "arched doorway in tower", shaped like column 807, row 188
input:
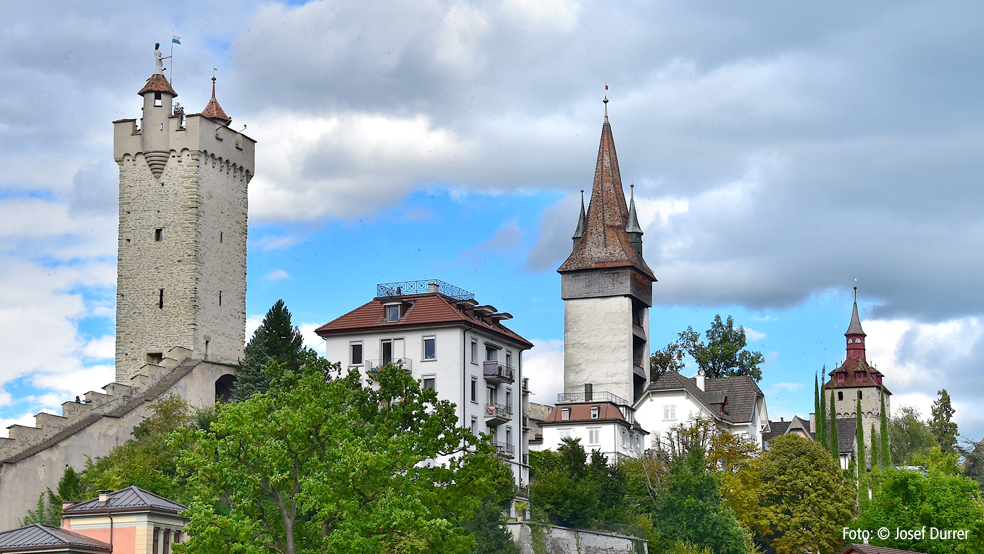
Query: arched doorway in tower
column 223, row 387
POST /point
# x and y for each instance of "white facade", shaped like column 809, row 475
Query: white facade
column 614, row 439
column 452, row 360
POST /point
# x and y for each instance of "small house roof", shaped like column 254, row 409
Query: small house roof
column 46, row 537
column 130, row 499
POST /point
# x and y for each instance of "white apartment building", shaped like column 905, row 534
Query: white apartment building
column 442, row 336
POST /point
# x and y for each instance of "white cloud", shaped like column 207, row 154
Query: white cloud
column 788, row 387
column 102, row 348
column 26, row 420
column 276, row 275
column 252, row 324
column 753, row 335
column 559, row 13
column 544, row 366
column 311, row 339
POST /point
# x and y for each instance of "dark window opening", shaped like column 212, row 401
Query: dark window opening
column 859, row 395
column 588, row 388
column 157, row 99
column 167, row 542
column 840, row 396
column 429, row 383
column 474, row 390
column 157, row 533
column 357, row 353
column 430, row 349
column 160, row 300
column 158, row 235
column 154, row 357
column 220, row 298
column 220, row 236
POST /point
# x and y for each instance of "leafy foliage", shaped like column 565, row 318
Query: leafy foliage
column 885, row 451
column 834, row 445
column 794, row 498
column 941, row 423
column 275, row 339
column 666, row 360
column 973, row 465
column 47, row 512
column 909, row 435
column 724, row 353
column 907, row 499
column 321, row 463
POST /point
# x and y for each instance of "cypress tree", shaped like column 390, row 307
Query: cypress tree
column 834, row 443
column 822, row 412
column 862, row 454
column 875, row 457
column 886, row 451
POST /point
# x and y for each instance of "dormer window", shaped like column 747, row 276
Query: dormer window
column 393, row 313
column 565, row 414
column 841, row 377
column 595, row 412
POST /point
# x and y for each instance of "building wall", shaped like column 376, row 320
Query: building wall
column 454, row 371
column 22, row 482
column 561, row 540
column 651, row 412
column 598, row 345
column 199, row 202
column 615, row 440
column 870, row 408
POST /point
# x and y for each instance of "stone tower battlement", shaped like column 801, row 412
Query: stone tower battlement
column 181, row 274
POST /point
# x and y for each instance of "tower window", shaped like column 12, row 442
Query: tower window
column 220, row 298
column 840, row 395
column 220, row 236
column 157, row 100
column 158, row 235
column 859, row 395
column 160, row 299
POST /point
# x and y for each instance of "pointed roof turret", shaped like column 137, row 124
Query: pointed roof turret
column 579, row 232
column 213, row 110
column 633, row 225
column 604, row 242
column 855, row 327
column 157, row 83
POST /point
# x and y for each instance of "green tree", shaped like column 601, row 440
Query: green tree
column 821, row 413
column 724, row 353
column 560, row 488
column 275, row 339
column 941, row 424
column 794, row 497
column 907, row 499
column 322, row 463
column 875, row 458
column 859, row 434
column 834, row 445
column 909, row 435
column 669, row 359
column 147, row 460
column 47, row 512
column 691, row 509
column 885, row 455
column 973, row 464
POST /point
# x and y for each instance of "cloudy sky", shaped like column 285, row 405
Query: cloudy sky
column 782, row 153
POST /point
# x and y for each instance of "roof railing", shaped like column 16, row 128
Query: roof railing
column 600, row 396
column 425, row 286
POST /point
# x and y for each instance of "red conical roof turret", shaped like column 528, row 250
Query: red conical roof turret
column 855, row 335
column 213, row 110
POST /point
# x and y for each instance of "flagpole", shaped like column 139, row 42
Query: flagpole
column 172, row 59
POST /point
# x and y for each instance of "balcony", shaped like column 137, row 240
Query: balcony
column 505, row 450
column 373, row 367
column 496, row 372
column 600, row 396
column 497, row 414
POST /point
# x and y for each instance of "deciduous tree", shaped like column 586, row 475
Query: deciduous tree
column 909, row 435
column 669, row 359
column 724, row 353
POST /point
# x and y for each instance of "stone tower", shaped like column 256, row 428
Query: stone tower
column 607, row 290
column 856, row 379
column 182, row 239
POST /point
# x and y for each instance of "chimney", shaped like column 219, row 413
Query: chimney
column 433, row 287
column 700, row 380
column 104, row 496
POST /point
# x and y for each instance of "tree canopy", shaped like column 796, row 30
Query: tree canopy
column 909, row 435
column 724, row 353
column 275, row 339
column 322, row 463
column 941, row 423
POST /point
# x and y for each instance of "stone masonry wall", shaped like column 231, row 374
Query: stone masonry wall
column 561, row 540
column 598, row 345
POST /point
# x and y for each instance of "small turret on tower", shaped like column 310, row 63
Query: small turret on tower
column 632, row 228
column 579, row 232
column 855, row 335
column 213, row 110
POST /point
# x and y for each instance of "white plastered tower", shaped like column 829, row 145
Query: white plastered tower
column 181, row 277
column 607, row 290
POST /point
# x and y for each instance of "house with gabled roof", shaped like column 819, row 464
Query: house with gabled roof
column 847, row 429
column 46, row 539
column 735, row 404
column 132, row 520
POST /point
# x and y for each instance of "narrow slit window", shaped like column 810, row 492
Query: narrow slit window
column 220, row 298
column 158, row 235
column 220, row 236
column 160, row 299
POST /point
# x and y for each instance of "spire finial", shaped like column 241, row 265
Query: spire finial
column 855, row 294
column 606, row 102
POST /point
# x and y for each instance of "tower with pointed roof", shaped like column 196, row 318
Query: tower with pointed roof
column 857, row 380
column 607, row 290
column 181, row 277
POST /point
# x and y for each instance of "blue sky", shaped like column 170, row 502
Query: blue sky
column 781, row 153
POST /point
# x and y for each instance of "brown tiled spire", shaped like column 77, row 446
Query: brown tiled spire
column 158, row 83
column 213, row 110
column 604, row 242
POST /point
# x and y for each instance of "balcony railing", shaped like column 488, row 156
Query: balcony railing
column 496, row 414
column 600, row 396
column 505, row 450
column 407, row 288
column 497, row 372
column 373, row 367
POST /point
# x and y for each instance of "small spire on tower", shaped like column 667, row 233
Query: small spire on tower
column 606, row 102
column 213, row 110
column 633, row 224
column 579, row 232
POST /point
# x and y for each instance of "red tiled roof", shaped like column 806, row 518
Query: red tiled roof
column 604, row 242
column 870, row 549
column 851, row 366
column 157, row 83
column 426, row 310
column 213, row 110
column 607, row 411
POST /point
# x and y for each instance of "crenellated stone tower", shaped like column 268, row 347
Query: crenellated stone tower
column 181, row 278
column 607, row 289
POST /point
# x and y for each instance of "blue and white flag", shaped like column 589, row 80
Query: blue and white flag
column 175, row 39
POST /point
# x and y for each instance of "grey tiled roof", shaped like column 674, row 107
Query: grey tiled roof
column 38, row 537
column 741, row 393
column 871, row 549
column 130, row 499
column 855, row 327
